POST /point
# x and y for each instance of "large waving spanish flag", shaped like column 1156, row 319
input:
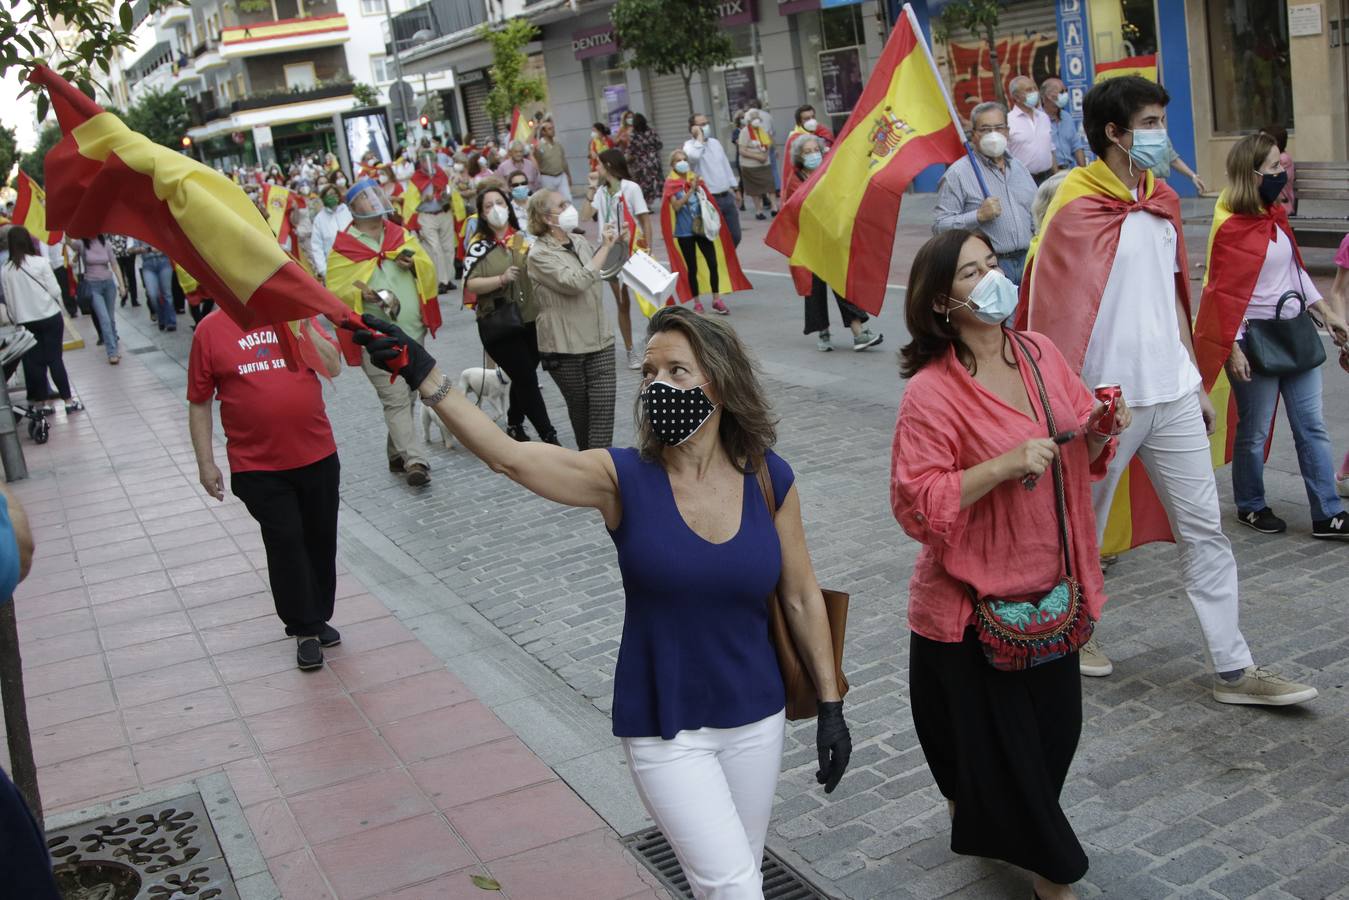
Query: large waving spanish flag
column 1237, row 245
column 841, row 224
column 1067, row 267
column 351, row 261
column 730, row 277
column 105, row 178
column 30, row 210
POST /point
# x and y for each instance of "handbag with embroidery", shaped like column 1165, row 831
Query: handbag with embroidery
column 1020, row 634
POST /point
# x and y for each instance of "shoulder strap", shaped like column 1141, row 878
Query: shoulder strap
column 1062, row 508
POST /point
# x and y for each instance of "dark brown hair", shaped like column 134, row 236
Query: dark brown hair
column 616, row 164
column 748, row 428
column 494, row 186
column 930, row 279
column 20, row 243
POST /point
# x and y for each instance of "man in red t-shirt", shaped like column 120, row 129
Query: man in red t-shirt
column 282, row 459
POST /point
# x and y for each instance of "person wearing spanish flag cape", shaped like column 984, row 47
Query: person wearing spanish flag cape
column 1106, row 280
column 379, row 267
column 806, row 124
column 503, row 301
column 434, row 209
column 686, row 207
column 1253, row 264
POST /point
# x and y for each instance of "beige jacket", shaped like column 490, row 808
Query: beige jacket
column 572, row 317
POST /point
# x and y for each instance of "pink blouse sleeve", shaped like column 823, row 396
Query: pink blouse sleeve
column 924, row 478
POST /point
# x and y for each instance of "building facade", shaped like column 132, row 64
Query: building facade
column 263, row 78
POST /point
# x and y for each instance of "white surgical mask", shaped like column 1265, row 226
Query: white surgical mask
column 498, row 216
column 993, row 299
column 1061, row 101
column 811, row 161
column 568, row 219
column 810, row 124
column 682, row 167
column 993, row 144
column 1033, row 99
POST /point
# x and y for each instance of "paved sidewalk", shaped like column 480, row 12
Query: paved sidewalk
column 152, row 655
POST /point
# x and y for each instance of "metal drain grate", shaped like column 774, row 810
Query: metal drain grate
column 166, row 851
column 780, row 881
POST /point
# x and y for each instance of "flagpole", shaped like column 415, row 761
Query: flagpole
column 955, row 119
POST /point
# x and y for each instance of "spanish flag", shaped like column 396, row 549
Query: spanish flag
column 351, row 261
column 30, row 210
column 1067, row 267
column 423, row 187
column 841, row 224
column 522, row 129
column 103, row 177
column 730, row 277
column 1241, row 242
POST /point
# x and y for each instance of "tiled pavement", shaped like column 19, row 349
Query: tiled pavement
column 152, row 655
column 1172, row 794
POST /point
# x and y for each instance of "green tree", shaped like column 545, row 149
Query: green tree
column 682, row 38
column 9, row 153
column 30, row 35
column 365, row 94
column 161, row 116
column 511, row 87
column 32, row 162
column 980, row 18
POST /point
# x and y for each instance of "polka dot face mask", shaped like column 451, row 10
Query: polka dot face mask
column 675, row 415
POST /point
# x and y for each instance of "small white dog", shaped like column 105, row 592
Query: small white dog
column 489, row 387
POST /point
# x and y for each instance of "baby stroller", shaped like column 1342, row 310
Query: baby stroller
column 14, row 343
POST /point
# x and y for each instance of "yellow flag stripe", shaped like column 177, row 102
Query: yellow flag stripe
column 827, row 215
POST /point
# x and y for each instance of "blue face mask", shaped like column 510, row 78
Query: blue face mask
column 1150, row 147
column 520, row 192
column 993, row 298
column 811, row 160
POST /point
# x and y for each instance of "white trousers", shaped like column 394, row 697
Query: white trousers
column 559, row 183
column 710, row 792
column 437, row 236
column 1170, row 440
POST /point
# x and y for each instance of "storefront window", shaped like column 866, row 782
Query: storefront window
column 609, row 81
column 841, row 26
column 1248, row 50
column 841, row 76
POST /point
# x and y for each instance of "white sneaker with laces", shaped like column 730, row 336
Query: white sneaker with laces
column 1259, row 686
column 634, row 358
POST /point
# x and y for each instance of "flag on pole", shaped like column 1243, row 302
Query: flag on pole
column 522, row 129
column 30, row 210
column 103, row 177
column 841, row 224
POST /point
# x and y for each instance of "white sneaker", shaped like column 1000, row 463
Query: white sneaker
column 635, row 358
column 1342, row 485
column 1259, row 686
column 1092, row 661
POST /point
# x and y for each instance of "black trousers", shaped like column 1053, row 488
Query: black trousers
column 999, row 744
column 817, row 308
column 67, row 298
column 518, row 355
column 297, row 510
column 687, row 247
column 44, row 358
column 179, row 298
column 27, row 867
column 199, row 310
column 128, row 266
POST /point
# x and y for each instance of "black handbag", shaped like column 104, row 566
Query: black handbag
column 503, row 322
column 1280, row 346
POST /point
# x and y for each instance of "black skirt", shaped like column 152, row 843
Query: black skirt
column 999, row 744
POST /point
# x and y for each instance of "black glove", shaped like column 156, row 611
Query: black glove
column 834, row 744
column 392, row 350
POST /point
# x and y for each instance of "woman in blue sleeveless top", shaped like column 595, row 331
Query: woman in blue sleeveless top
column 698, row 696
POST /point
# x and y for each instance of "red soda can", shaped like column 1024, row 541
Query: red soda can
column 1109, row 394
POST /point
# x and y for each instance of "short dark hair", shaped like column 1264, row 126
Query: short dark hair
column 494, row 186
column 693, row 118
column 601, row 128
column 1116, row 100
column 639, row 123
column 802, row 108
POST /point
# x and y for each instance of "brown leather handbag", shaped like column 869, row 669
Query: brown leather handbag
column 800, row 688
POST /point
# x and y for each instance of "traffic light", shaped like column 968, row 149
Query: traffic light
column 187, row 142
column 424, row 121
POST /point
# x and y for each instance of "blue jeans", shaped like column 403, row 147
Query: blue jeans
column 730, row 215
column 1256, row 400
column 1013, row 266
column 157, row 273
column 103, row 296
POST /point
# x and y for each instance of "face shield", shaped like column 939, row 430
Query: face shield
column 426, row 163
column 367, row 201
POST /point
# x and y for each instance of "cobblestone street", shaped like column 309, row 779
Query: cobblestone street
column 1172, row 793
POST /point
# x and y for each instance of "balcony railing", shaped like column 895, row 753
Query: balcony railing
column 199, row 114
column 283, row 34
column 440, row 17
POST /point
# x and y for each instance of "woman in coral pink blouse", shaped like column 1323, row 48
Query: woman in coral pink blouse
column 971, row 445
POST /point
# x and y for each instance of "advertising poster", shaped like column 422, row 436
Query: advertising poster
column 841, row 80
